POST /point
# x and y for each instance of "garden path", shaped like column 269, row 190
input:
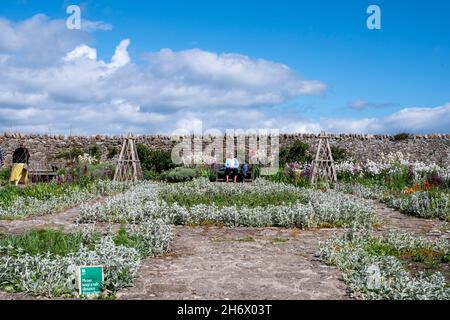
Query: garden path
column 396, row 221
column 239, row 263
column 62, row 220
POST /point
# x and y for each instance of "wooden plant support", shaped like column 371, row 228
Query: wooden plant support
column 323, row 166
column 128, row 165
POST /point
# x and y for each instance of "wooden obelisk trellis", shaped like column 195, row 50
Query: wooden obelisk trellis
column 128, row 166
column 323, row 165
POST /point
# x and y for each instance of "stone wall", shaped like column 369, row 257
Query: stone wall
column 434, row 148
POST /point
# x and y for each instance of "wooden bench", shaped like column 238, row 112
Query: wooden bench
column 220, row 175
column 41, row 172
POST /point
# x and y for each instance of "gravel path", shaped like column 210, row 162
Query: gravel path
column 393, row 220
column 63, row 220
column 239, row 263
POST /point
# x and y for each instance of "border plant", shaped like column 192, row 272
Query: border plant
column 374, row 268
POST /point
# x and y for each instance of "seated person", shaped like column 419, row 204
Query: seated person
column 245, row 169
column 231, row 165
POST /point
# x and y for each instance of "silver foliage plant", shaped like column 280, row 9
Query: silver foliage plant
column 420, row 204
column 322, row 208
column 50, row 275
column 383, row 277
column 29, row 206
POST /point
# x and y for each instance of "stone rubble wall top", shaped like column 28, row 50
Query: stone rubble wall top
column 15, row 135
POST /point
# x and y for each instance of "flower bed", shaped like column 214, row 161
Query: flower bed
column 41, row 202
column 54, row 274
column 314, row 208
column 377, row 267
column 422, row 204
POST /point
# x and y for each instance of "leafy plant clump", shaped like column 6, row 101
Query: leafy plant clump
column 377, row 267
column 95, row 151
column 181, row 174
column 152, row 175
column 55, row 242
column 298, row 153
column 339, row 154
column 70, row 155
column 112, row 152
column 28, row 265
column 154, row 160
column 4, row 175
column 313, row 208
column 401, row 136
column 43, row 199
column 423, row 204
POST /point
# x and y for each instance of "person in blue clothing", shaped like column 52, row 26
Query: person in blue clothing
column 2, row 158
column 231, row 166
column 245, row 169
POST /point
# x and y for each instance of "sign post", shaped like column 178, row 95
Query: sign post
column 90, row 280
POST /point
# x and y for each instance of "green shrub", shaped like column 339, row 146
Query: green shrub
column 299, row 153
column 155, row 160
column 95, row 151
column 180, row 174
column 112, row 152
column 207, row 173
column 339, row 154
column 90, row 172
column 152, row 175
column 401, row 136
column 4, row 174
column 70, row 155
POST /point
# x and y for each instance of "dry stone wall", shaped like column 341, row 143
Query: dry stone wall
column 434, row 148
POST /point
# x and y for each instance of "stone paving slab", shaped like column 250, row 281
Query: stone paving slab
column 239, row 263
column 394, row 220
column 65, row 220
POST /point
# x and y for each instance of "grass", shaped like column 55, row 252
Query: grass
column 251, row 200
column 280, row 240
column 246, row 239
column 38, row 242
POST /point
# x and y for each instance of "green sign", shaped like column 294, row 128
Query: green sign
column 90, row 280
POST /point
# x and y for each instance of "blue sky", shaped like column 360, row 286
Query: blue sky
column 389, row 80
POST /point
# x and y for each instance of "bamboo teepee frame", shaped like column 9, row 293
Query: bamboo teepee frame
column 323, row 166
column 128, row 166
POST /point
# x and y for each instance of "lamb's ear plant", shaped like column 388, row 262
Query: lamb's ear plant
column 422, row 204
column 372, row 266
column 27, row 266
column 200, row 201
column 43, row 200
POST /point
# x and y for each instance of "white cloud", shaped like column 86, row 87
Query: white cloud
column 120, row 57
column 68, row 88
column 361, row 104
column 81, row 52
column 91, row 26
column 415, row 120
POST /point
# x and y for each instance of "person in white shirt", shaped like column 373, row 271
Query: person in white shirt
column 231, row 165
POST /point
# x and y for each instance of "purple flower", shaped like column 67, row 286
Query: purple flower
column 436, row 180
column 306, row 173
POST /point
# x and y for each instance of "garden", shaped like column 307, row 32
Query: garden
column 141, row 221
